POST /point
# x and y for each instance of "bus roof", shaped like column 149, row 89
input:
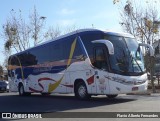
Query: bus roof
column 119, row 34
column 85, row 30
column 109, row 32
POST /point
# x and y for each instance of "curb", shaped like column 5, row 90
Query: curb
column 140, row 93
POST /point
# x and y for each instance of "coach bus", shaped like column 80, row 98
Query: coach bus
column 85, row 62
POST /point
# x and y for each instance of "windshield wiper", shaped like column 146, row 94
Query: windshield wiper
column 137, row 63
column 132, row 58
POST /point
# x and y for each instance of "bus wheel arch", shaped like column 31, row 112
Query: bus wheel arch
column 80, row 89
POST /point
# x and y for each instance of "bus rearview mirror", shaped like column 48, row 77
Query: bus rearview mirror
column 107, row 43
column 151, row 50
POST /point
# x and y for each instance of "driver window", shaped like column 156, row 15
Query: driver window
column 100, row 59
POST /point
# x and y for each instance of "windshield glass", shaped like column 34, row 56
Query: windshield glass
column 127, row 59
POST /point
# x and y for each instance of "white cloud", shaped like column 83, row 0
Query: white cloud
column 67, row 22
column 66, row 11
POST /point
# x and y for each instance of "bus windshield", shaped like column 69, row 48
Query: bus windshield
column 127, row 59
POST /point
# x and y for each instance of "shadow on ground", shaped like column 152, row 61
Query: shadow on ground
column 53, row 103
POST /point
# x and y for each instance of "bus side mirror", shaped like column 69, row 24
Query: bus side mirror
column 151, row 50
column 107, row 43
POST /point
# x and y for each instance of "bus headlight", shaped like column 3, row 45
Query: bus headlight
column 138, row 82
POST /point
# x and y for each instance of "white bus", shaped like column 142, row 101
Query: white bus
column 85, row 62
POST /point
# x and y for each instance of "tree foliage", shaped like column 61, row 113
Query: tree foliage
column 36, row 26
column 53, row 32
column 20, row 34
column 140, row 20
column 144, row 23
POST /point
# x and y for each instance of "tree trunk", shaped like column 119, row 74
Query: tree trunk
column 152, row 74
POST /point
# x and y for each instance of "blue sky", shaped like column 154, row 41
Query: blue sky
column 82, row 13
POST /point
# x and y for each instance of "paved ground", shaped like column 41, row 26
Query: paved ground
column 11, row 102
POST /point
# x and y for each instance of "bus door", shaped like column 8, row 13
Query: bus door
column 101, row 69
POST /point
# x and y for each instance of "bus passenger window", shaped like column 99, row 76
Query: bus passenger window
column 100, row 59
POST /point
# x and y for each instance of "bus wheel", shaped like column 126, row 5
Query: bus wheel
column 112, row 96
column 21, row 90
column 81, row 91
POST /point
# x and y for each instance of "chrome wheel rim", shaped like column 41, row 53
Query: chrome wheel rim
column 82, row 91
column 21, row 90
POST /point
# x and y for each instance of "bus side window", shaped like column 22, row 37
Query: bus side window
column 100, row 60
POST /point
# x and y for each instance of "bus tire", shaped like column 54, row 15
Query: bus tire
column 112, row 96
column 21, row 90
column 81, row 91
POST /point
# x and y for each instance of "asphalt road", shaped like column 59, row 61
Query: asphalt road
column 11, row 102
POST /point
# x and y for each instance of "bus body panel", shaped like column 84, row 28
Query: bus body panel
column 102, row 83
column 127, row 84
